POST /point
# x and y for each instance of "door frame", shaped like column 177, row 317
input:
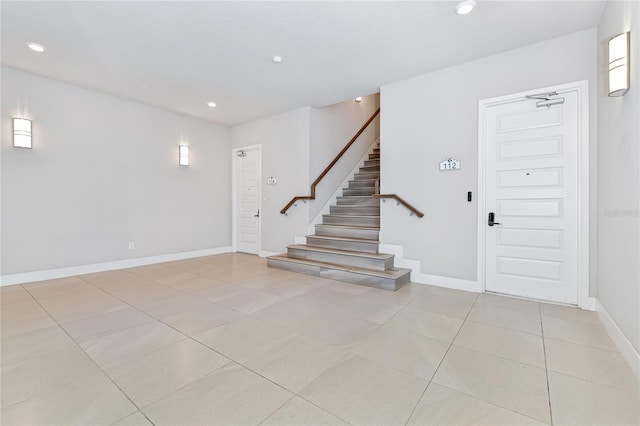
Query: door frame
column 582, row 89
column 235, row 197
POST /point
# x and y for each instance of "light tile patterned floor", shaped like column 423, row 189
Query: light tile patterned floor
column 226, row 340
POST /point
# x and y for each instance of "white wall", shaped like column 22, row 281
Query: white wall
column 331, row 128
column 103, row 172
column 285, row 155
column 619, row 179
column 434, row 116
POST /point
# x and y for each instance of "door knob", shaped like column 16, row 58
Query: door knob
column 491, row 219
column 257, row 214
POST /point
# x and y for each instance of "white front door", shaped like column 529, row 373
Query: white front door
column 531, row 190
column 248, row 200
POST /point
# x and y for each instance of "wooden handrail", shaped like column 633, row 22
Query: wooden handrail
column 326, row 170
column 396, row 197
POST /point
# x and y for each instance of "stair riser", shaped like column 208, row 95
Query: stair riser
column 355, row 210
column 294, row 267
column 340, row 259
column 366, row 176
column 374, row 156
column 346, row 276
column 353, row 184
column 351, row 221
column 372, row 163
column 361, row 246
column 358, row 191
column 354, row 232
column 357, row 201
column 370, row 169
column 390, row 284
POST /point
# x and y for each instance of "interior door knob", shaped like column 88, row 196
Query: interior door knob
column 491, row 219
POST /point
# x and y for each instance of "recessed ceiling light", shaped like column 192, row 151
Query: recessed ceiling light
column 211, row 104
column 36, row 47
column 277, row 59
column 465, row 7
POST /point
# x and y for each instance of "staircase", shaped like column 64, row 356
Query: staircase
column 345, row 246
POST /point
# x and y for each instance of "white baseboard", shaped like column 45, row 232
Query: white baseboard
column 417, row 276
column 49, row 274
column 448, row 282
column 588, row 303
column 265, row 253
column 628, row 352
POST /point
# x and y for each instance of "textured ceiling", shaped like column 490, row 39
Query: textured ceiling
column 188, row 53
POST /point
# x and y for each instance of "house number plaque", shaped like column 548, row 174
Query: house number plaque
column 450, row 164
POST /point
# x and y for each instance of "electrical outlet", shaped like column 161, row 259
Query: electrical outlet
column 132, row 245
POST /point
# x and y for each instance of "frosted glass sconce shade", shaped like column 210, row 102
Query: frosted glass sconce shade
column 183, row 155
column 619, row 65
column 21, row 133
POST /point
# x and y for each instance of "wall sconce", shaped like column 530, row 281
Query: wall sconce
column 21, row 133
column 358, row 99
column 619, row 64
column 183, row 155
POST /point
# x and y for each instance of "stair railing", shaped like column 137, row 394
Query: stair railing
column 326, row 170
column 399, row 199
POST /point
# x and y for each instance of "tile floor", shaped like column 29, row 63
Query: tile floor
column 226, row 340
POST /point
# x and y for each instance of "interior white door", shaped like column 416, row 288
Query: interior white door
column 531, row 187
column 248, row 200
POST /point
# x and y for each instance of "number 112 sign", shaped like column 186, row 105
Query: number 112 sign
column 450, row 164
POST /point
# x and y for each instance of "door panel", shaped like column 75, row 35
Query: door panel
column 532, row 186
column 529, row 238
column 518, row 121
column 530, row 148
column 551, row 270
column 530, row 178
column 529, row 208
